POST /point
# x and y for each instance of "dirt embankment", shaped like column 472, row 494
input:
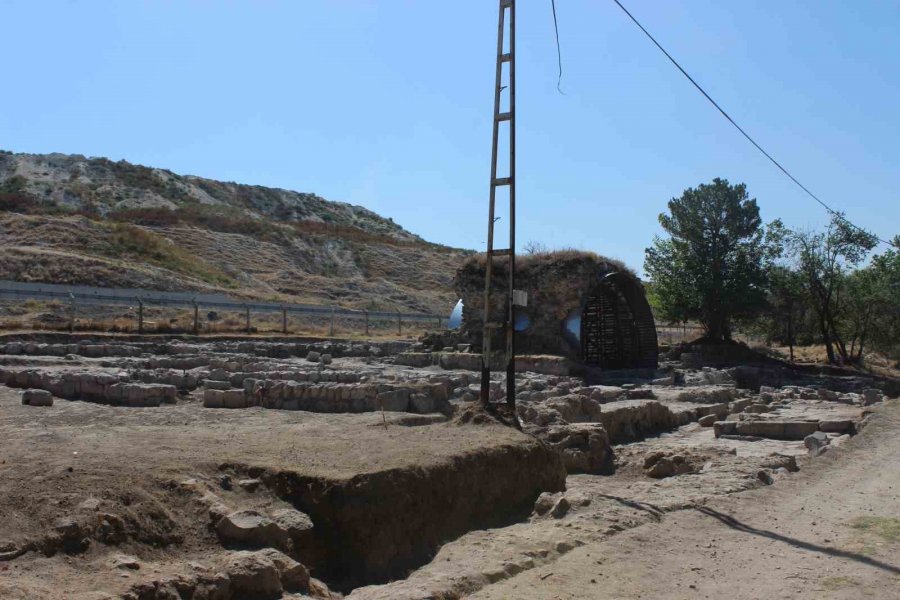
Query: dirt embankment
column 379, row 526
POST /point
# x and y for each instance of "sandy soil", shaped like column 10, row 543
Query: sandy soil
column 831, row 531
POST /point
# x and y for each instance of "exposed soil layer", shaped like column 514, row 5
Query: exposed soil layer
column 378, row 526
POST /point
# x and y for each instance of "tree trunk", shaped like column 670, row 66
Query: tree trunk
column 790, row 334
column 826, row 339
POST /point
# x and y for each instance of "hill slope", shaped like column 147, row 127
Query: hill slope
column 71, row 219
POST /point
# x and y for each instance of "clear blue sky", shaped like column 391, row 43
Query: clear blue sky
column 387, row 104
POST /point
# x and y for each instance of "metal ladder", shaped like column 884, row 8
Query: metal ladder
column 507, row 10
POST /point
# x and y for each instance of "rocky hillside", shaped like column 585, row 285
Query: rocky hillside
column 71, row 219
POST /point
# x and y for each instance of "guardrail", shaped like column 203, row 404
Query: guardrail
column 86, row 295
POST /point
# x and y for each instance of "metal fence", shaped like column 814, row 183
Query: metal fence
column 75, row 296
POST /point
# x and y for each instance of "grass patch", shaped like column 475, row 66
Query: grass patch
column 134, row 242
column 887, row 528
column 836, row 583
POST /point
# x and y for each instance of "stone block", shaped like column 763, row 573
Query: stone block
column 724, row 428
column 37, row 398
column 871, row 396
column 421, row 403
column 396, row 400
column 707, row 421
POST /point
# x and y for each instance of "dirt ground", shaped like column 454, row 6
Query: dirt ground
column 831, row 531
column 679, row 484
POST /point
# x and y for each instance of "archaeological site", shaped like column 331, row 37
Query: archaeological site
column 649, row 351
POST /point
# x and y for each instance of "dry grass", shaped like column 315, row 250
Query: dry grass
column 551, row 258
column 300, row 267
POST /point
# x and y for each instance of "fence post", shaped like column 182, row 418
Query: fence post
column 140, row 316
column 247, row 319
column 71, row 312
column 196, row 318
column 399, row 324
column 284, row 320
column 367, row 322
column 331, row 327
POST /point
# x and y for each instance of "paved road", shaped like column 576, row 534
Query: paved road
column 832, row 531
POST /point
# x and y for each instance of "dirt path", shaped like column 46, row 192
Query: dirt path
column 832, row 531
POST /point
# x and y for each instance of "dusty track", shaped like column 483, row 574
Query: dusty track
column 830, row 532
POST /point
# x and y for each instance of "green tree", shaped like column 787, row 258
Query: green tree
column 883, row 301
column 825, row 259
column 788, row 305
column 713, row 265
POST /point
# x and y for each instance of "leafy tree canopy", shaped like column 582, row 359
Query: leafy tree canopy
column 713, row 265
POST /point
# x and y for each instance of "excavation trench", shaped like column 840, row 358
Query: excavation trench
column 377, row 527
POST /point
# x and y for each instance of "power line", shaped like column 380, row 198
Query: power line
column 558, row 51
column 830, row 210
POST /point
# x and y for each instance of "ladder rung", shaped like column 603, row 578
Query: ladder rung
column 504, row 117
column 505, row 57
column 503, row 181
column 494, row 325
column 499, row 252
column 505, row 3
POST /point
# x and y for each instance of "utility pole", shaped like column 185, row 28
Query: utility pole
column 507, row 15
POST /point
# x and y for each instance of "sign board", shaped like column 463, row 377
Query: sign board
column 520, row 298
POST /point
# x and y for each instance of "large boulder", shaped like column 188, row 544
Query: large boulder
column 253, row 575
column 250, row 528
column 584, row 447
column 298, row 526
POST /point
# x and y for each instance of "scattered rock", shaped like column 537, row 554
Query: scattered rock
column 544, row 503
column 765, row 476
column 561, row 508
column 816, row 442
column 659, row 465
column 249, row 485
column 313, row 356
column 124, row 561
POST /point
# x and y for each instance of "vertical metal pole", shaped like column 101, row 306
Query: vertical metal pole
column 399, row 324
column 140, row 316
column 511, row 325
column 331, row 327
column 246, row 318
column 489, row 258
column 196, row 318
column 284, row 320
column 367, row 322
